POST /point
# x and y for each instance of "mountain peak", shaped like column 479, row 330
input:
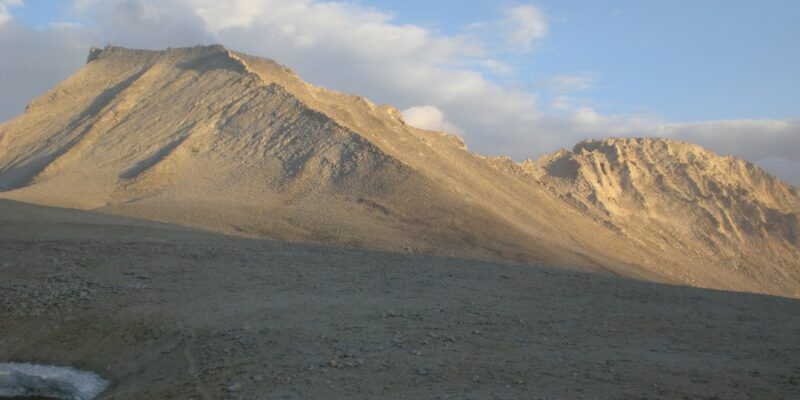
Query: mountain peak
column 664, row 191
column 110, row 49
column 628, row 142
column 266, row 72
column 648, row 155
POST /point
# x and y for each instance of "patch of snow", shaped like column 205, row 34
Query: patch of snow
column 18, row 379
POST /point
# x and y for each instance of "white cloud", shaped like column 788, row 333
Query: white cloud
column 496, row 67
column 774, row 144
column 430, row 118
column 526, row 24
column 562, row 103
column 34, row 60
column 61, row 25
column 564, row 83
column 754, row 139
column 144, row 23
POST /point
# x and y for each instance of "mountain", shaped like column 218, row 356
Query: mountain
column 210, row 138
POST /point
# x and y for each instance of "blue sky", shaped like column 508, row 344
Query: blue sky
column 511, row 77
column 684, row 60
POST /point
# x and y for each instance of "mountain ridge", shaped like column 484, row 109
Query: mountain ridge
column 212, row 138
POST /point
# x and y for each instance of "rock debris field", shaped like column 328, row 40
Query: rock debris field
column 165, row 312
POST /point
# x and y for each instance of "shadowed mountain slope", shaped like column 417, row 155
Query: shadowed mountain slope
column 210, row 138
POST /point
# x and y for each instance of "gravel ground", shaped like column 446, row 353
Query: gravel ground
column 166, row 313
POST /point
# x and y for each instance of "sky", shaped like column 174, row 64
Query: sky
column 510, row 77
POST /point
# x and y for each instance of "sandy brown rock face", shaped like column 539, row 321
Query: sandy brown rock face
column 210, row 138
column 672, row 194
column 724, row 196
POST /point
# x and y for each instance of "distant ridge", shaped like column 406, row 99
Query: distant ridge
column 211, row 138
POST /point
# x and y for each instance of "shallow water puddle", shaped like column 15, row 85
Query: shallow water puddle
column 19, row 380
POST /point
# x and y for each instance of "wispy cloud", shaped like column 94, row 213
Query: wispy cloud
column 35, row 59
column 430, row 118
column 525, row 24
column 565, row 83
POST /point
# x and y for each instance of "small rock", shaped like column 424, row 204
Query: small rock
column 234, row 387
column 421, row 371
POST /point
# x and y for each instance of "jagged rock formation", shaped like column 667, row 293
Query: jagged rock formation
column 211, row 138
column 671, row 195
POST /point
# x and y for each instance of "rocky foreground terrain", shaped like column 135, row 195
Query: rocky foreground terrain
column 214, row 139
column 235, row 232
column 168, row 312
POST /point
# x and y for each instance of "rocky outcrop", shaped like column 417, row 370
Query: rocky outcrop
column 667, row 193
